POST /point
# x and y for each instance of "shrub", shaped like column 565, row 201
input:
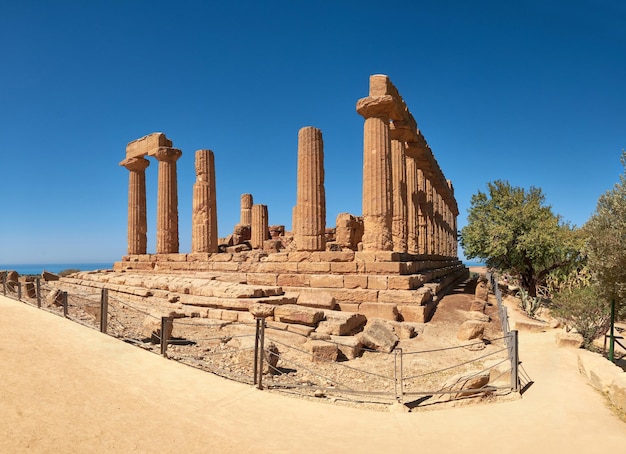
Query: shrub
column 585, row 310
column 67, row 272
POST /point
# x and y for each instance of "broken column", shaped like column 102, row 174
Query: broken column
column 246, row 209
column 167, row 201
column 310, row 211
column 204, row 216
column 260, row 230
column 137, row 224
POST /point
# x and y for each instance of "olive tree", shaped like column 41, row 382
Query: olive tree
column 606, row 244
column 512, row 230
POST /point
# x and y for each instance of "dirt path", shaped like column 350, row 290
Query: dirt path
column 66, row 388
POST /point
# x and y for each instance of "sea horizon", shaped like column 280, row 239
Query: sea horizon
column 38, row 268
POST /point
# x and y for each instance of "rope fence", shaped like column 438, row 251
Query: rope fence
column 270, row 358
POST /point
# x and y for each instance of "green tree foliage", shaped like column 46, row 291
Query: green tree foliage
column 606, row 246
column 584, row 309
column 513, row 231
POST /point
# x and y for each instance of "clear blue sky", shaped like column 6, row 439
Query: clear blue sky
column 532, row 92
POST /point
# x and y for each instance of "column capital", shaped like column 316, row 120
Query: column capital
column 167, row 154
column 135, row 164
column 375, row 106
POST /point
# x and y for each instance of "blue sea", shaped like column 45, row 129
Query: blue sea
column 37, row 268
column 469, row 263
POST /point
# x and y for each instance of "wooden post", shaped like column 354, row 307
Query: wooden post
column 38, row 281
column 65, row 304
column 104, row 310
column 166, row 322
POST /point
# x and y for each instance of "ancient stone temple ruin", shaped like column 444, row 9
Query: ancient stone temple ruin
column 392, row 261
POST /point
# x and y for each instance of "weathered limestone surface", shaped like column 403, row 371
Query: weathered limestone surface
column 390, row 263
column 260, row 231
column 147, row 145
column 349, row 231
column 399, row 196
column 471, row 329
column 376, row 188
column 310, row 210
column 137, row 224
column 204, row 222
column 167, row 201
column 246, row 209
column 379, row 336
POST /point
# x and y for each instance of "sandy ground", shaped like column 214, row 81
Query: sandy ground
column 66, row 388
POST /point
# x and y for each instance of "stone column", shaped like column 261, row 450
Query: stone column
column 412, row 206
column 167, row 201
column 430, row 224
column 437, row 221
column 260, row 230
column 204, row 216
column 399, row 227
column 310, row 210
column 376, row 184
column 455, row 239
column 422, row 213
column 246, row 209
column 137, row 223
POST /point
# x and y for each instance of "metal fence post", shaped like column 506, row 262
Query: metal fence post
column 19, row 291
column 514, row 362
column 104, row 310
column 257, row 335
column 165, row 326
column 38, row 281
column 261, row 353
column 398, row 375
column 65, row 304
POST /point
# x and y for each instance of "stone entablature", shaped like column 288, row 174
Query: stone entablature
column 394, row 149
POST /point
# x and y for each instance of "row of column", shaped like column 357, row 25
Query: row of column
column 404, row 208
column 204, row 222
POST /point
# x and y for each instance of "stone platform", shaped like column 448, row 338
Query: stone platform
column 388, row 285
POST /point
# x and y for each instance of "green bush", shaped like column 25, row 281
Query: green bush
column 67, row 272
column 585, row 310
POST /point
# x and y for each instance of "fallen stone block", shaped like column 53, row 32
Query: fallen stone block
column 47, row 276
column 531, row 326
column 564, row 339
column 378, row 335
column 404, row 330
column 292, row 313
column 54, row 297
column 260, row 310
column 471, row 329
column 323, row 351
column 349, row 346
column 341, row 323
column 245, row 353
